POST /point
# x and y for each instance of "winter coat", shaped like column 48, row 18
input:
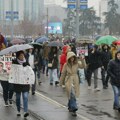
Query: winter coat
column 36, row 58
column 63, row 57
column 19, row 87
column 53, row 58
column 114, row 71
column 94, row 60
column 69, row 74
column 105, row 58
column 4, row 76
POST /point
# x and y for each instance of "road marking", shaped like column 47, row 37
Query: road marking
column 58, row 104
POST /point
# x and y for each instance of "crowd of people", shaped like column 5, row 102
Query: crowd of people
column 61, row 65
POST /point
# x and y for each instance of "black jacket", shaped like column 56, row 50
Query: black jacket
column 106, row 57
column 53, row 58
column 114, row 71
column 18, row 87
column 94, row 60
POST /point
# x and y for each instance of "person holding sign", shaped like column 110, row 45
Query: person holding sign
column 21, row 88
column 6, row 86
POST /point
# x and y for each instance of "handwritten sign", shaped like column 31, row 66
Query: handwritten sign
column 21, row 75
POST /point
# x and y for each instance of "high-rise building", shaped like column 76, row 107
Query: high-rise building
column 24, row 8
column 118, row 3
column 103, row 7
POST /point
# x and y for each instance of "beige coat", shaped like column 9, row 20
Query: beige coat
column 69, row 74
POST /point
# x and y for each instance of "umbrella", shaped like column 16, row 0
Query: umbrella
column 55, row 43
column 15, row 48
column 41, row 39
column 97, row 37
column 17, row 41
column 36, row 44
column 117, row 42
column 106, row 40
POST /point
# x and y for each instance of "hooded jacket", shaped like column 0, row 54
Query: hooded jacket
column 106, row 57
column 63, row 57
column 69, row 74
column 114, row 70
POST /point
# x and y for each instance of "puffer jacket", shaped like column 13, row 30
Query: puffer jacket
column 63, row 57
column 114, row 71
column 69, row 74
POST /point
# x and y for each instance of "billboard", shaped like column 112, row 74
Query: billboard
column 55, row 27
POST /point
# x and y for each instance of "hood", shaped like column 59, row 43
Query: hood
column 104, row 48
column 65, row 49
column 70, row 54
column 116, row 55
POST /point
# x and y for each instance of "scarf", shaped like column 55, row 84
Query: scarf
column 21, row 61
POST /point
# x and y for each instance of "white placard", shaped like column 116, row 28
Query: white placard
column 21, row 75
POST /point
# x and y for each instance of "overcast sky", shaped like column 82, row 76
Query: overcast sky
column 95, row 4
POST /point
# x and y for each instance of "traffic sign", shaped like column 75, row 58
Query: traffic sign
column 83, row 1
column 83, row 7
column 71, row 6
column 9, row 15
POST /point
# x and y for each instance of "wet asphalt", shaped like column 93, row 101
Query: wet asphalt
column 50, row 103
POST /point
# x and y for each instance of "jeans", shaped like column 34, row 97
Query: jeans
column 7, row 90
column 116, row 91
column 25, row 101
column 34, row 85
column 45, row 64
column 53, row 75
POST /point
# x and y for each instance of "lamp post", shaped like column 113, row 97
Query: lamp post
column 77, row 18
column 12, row 25
column 47, row 24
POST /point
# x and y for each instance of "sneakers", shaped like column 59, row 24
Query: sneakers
column 6, row 104
column 26, row 114
column 89, row 88
column 51, row 83
column 10, row 102
column 18, row 114
column 63, row 86
column 74, row 114
column 96, row 89
column 56, row 83
column 39, row 82
column 33, row 93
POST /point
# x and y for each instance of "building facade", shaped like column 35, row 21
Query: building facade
column 25, row 8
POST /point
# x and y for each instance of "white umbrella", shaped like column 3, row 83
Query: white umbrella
column 15, row 48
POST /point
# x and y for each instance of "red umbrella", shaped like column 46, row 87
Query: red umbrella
column 17, row 41
column 117, row 42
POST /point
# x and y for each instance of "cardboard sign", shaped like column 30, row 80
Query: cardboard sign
column 21, row 75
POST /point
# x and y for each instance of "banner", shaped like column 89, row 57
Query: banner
column 21, row 75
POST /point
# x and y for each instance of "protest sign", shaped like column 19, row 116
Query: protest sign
column 21, row 75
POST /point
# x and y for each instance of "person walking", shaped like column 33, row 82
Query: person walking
column 21, row 88
column 69, row 76
column 6, row 86
column 114, row 73
column 46, row 50
column 32, row 59
column 53, row 66
column 106, row 57
column 94, row 62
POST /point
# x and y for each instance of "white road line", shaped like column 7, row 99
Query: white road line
column 58, row 104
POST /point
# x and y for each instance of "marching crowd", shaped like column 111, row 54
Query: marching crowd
column 61, row 65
